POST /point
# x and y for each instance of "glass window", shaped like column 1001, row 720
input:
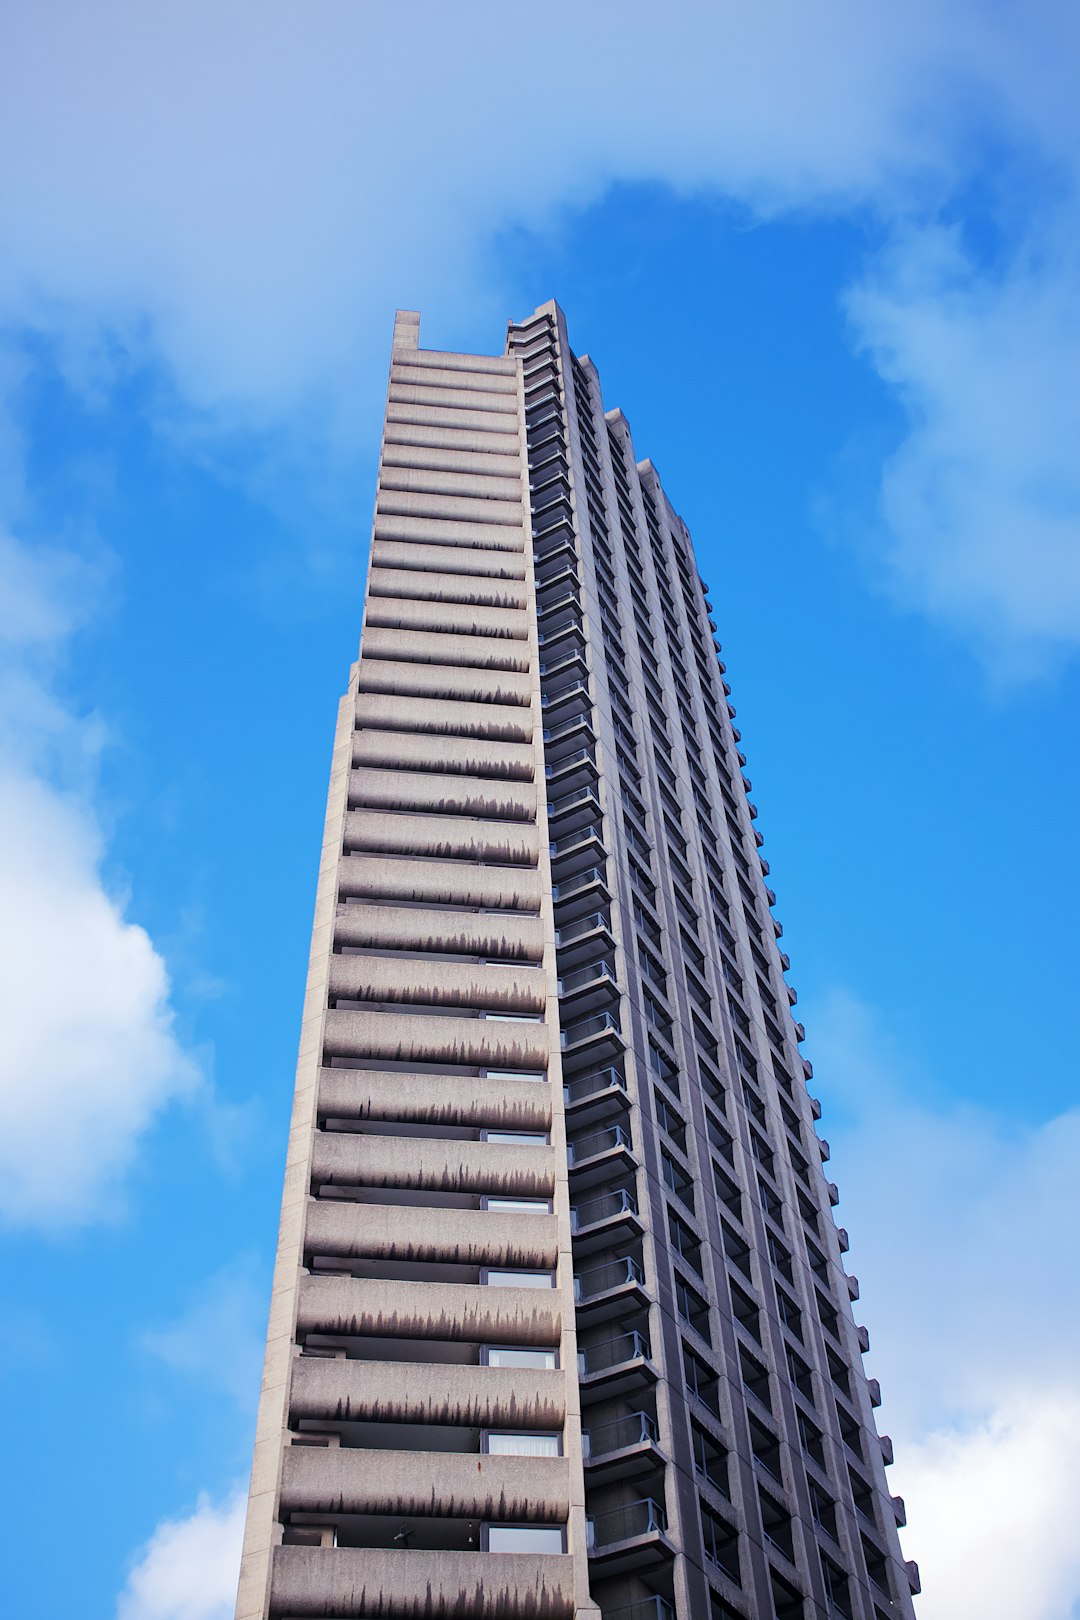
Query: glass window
column 499, row 1355
column 519, row 1206
column 518, row 1279
column 533, row 1538
column 502, row 1443
column 516, row 1138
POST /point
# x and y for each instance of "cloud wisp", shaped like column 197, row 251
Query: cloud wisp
column 966, row 1224
column 188, row 1568
column 245, row 202
column 90, row 1054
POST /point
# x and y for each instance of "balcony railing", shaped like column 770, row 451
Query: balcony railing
column 644, row 1518
column 602, row 1279
column 604, row 1208
column 584, row 975
column 580, row 835
column 636, row 1429
column 587, row 1029
column 590, row 1147
column 616, row 1352
column 589, row 1085
column 567, row 801
column 583, row 925
column 580, row 756
column 651, row 1608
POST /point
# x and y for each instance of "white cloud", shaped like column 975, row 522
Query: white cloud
column 219, row 1338
column 89, row 1054
column 188, row 1569
column 965, row 1223
column 981, row 503
column 244, row 192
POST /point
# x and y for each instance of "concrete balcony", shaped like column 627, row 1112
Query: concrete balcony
column 403, row 613
column 450, row 984
column 435, row 1099
column 502, row 722
column 606, row 1155
column 441, row 439
column 466, row 1237
column 439, row 883
column 423, row 586
column 461, row 651
column 487, row 1043
column 404, row 1585
column 493, row 479
column 421, row 559
column 450, row 795
column 417, row 1392
column 448, row 394
column 421, row 460
column 473, row 507
column 468, row 756
column 424, row 1162
column 462, row 838
column 435, row 1484
column 422, row 929
column 448, row 532
column 450, row 681
column 464, row 1312
column 614, row 1367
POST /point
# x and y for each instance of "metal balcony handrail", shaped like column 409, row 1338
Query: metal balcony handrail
column 612, row 1274
column 587, row 1085
column 577, row 688
column 582, row 975
column 580, row 835
column 579, row 880
column 563, row 729
column 632, row 1346
column 578, row 757
column 587, row 1147
column 635, row 1429
column 559, row 601
column 567, row 801
column 585, row 1028
column 582, row 925
column 650, row 1608
column 643, row 1518
column 620, row 1201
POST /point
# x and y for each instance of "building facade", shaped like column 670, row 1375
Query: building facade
column 560, row 1324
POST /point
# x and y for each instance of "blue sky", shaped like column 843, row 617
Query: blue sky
column 827, row 266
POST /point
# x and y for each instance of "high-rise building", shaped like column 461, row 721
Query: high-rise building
column 560, row 1322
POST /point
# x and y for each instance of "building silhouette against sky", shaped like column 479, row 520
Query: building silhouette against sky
column 560, row 1323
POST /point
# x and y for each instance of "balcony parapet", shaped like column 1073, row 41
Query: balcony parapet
column 450, row 682
column 420, row 929
column 449, row 1484
column 467, row 1237
column 448, row 532
column 396, row 612
column 471, row 590
column 464, row 1312
column 328, row 1582
column 394, row 554
column 417, row 1392
column 502, row 722
column 424, row 1162
column 463, row 838
column 462, row 651
column 434, row 1099
column 497, row 988
column 490, row 1043
column 439, row 882
column 420, row 751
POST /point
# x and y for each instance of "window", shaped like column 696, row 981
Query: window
column 721, row 1543
column 530, row 1538
column 777, row 1525
column 836, row 1587
column 810, row 1438
column 518, row 1206
column 516, row 1138
column 692, row 1308
column 745, row 1310
column 766, row 1448
column 710, row 1457
column 501, row 1355
column 517, row 1279
column 822, row 1509
column 787, row 1600
column 755, row 1377
column 504, row 1443
column 701, row 1381
column 727, row 1192
column 799, row 1373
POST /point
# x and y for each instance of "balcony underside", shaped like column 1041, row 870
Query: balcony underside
column 416, row 1392
column 330, row 1582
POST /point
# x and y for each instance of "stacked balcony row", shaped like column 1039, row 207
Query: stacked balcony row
column 428, row 1401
